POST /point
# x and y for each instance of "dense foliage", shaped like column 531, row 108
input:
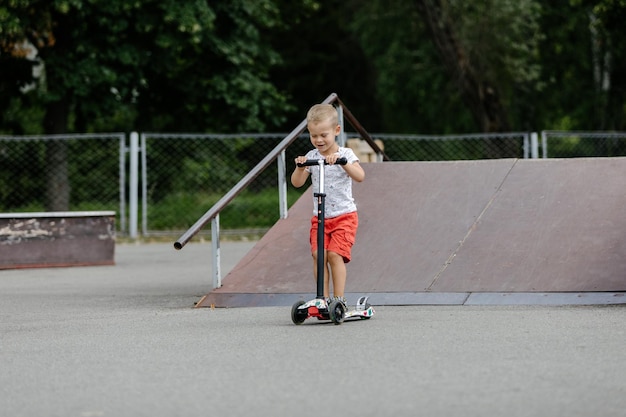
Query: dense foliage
column 148, row 65
column 402, row 66
column 246, row 65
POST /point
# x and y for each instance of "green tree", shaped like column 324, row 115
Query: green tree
column 449, row 66
column 410, row 84
column 566, row 101
column 608, row 51
column 321, row 55
column 583, row 58
column 490, row 49
column 176, row 66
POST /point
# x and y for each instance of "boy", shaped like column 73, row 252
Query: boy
column 341, row 220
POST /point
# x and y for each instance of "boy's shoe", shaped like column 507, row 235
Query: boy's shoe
column 342, row 300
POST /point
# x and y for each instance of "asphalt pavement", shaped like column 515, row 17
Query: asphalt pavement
column 126, row 340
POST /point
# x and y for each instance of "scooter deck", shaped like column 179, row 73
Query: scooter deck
column 362, row 314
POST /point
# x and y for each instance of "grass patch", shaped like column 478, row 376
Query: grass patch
column 247, row 211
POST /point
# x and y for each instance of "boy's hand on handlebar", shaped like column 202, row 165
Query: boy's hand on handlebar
column 300, row 160
column 332, row 158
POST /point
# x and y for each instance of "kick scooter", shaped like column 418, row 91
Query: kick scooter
column 337, row 311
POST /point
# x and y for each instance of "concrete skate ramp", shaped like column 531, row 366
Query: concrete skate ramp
column 465, row 232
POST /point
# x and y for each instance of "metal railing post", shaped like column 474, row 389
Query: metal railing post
column 534, row 145
column 134, row 182
column 215, row 249
column 526, row 146
column 342, row 123
column 144, row 186
column 282, row 185
column 123, row 151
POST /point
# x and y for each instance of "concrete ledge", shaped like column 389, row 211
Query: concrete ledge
column 57, row 239
column 232, row 300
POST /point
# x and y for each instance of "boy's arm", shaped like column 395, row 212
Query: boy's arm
column 300, row 174
column 355, row 171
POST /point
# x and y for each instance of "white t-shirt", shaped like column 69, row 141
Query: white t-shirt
column 337, row 184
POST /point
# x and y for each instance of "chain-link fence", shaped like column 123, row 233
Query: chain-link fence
column 180, row 176
column 185, row 174
column 63, row 173
column 455, row 147
column 563, row 144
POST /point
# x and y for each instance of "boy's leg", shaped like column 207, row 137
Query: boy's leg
column 342, row 233
column 326, row 273
column 339, row 273
column 339, row 238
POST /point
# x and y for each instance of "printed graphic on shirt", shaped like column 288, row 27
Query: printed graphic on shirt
column 338, row 184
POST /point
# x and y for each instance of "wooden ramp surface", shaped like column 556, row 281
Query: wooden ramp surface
column 493, row 231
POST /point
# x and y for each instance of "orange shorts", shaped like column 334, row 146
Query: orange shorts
column 339, row 234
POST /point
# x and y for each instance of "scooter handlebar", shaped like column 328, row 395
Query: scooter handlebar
column 314, row 162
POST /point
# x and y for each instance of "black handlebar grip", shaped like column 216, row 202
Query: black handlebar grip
column 313, row 162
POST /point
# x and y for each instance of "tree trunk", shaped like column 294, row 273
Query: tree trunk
column 57, row 181
column 479, row 94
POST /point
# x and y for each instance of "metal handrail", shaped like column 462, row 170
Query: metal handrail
column 264, row 163
column 239, row 187
column 361, row 130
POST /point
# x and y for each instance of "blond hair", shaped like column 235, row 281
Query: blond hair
column 321, row 113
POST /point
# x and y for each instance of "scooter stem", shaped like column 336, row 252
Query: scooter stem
column 321, row 197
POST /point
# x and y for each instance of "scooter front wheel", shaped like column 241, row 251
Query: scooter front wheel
column 298, row 316
column 337, row 311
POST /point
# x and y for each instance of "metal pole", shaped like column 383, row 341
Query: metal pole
column 134, row 181
column 215, row 248
column 282, row 185
column 123, row 184
column 342, row 123
column 144, row 186
column 526, row 145
column 321, row 197
column 534, row 146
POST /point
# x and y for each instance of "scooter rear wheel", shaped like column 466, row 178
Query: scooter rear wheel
column 337, row 311
column 298, row 316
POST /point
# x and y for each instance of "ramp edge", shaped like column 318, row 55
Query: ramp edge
column 238, row 300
